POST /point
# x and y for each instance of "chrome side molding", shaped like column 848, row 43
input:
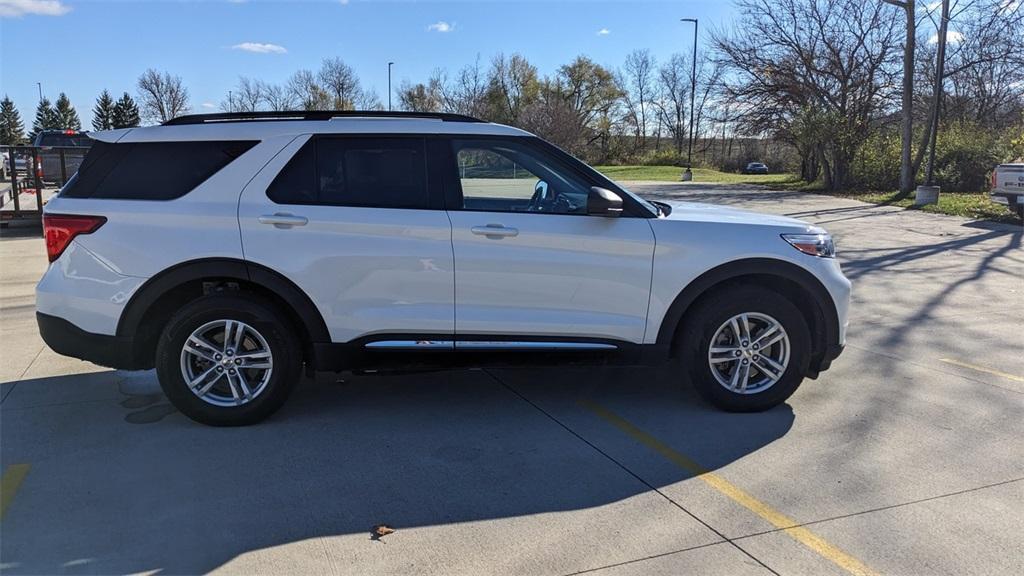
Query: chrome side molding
column 485, row 345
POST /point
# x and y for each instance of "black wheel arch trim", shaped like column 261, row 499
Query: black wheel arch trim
column 226, row 268
column 757, row 266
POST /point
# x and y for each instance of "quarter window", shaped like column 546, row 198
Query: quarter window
column 150, row 170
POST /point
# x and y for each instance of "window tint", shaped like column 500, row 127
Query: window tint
column 506, row 176
column 150, row 170
column 296, row 183
column 61, row 139
column 359, row 172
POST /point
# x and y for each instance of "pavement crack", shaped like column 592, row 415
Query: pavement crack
column 22, row 375
column 612, row 459
column 883, row 508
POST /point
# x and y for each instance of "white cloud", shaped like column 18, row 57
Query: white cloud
column 260, row 48
column 343, row 2
column 441, row 26
column 208, row 105
column 952, row 37
column 604, row 32
column 17, row 8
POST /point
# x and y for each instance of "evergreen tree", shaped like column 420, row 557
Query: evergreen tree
column 12, row 131
column 103, row 112
column 67, row 117
column 125, row 113
column 46, row 118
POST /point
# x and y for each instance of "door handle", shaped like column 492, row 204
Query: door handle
column 494, row 231
column 282, row 220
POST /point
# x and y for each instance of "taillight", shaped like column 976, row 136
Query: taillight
column 992, row 184
column 39, row 167
column 61, row 229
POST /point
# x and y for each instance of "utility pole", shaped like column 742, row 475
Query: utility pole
column 688, row 173
column 928, row 193
column 940, row 72
column 390, row 64
column 40, row 86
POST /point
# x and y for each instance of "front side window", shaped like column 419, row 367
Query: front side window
column 507, row 176
column 384, row 172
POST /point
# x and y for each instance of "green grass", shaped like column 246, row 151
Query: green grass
column 976, row 205
column 673, row 173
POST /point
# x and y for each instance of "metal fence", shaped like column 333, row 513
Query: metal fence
column 27, row 171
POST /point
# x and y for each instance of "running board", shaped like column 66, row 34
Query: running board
column 485, row 345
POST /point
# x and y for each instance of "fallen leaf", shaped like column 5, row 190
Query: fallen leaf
column 380, row 530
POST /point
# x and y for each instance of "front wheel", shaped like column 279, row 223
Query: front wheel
column 228, row 359
column 746, row 349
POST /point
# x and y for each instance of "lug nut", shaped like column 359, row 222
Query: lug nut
column 232, row 371
column 756, row 346
column 738, row 353
column 217, row 357
column 745, row 361
column 744, row 343
column 756, row 358
column 220, row 368
column 238, row 360
column 231, row 352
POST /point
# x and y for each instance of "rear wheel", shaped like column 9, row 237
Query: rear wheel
column 746, row 348
column 228, row 359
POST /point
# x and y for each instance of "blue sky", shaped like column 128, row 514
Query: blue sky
column 82, row 47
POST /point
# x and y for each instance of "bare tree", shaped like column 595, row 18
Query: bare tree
column 830, row 61
column 307, row 93
column 277, row 97
column 673, row 98
column 639, row 83
column 162, row 96
column 340, row 82
column 248, row 95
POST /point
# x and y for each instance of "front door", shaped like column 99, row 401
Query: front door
column 530, row 262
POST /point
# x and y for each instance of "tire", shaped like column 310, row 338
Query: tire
column 220, row 399
column 761, row 307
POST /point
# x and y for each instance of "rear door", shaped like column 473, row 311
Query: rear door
column 530, row 264
column 357, row 223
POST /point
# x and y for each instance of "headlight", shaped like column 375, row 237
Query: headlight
column 813, row 244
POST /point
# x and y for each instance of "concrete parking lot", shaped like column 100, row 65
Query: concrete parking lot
column 905, row 458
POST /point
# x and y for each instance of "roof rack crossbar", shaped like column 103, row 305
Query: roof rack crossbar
column 314, row 115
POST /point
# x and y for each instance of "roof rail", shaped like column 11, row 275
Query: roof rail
column 299, row 115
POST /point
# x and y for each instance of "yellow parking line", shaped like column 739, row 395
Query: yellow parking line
column 777, row 519
column 982, row 369
column 9, row 484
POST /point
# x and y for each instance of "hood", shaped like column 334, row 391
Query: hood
column 696, row 212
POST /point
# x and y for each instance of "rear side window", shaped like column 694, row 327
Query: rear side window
column 150, row 170
column 389, row 172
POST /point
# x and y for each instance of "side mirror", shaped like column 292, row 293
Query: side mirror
column 603, row 202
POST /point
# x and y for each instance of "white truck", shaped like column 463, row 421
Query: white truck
column 1008, row 187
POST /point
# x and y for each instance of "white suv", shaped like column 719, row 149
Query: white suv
column 228, row 251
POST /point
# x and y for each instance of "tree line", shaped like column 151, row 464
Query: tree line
column 840, row 91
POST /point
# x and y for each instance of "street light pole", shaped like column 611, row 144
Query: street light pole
column 688, row 173
column 390, row 64
column 40, row 86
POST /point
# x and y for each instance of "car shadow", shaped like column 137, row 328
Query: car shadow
column 138, row 487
